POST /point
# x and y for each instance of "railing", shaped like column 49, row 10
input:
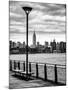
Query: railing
column 52, row 72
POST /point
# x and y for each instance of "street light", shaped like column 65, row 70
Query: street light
column 27, row 11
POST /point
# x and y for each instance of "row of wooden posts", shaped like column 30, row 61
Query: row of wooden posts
column 37, row 70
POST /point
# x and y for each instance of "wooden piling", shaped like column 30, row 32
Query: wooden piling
column 19, row 65
column 23, row 66
column 10, row 65
column 36, row 70
column 29, row 67
column 14, row 64
column 55, row 70
column 45, row 72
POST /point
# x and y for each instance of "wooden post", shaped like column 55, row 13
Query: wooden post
column 36, row 70
column 29, row 67
column 23, row 66
column 14, row 64
column 45, row 72
column 55, row 69
column 19, row 65
column 10, row 65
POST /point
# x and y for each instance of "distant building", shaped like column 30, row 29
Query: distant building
column 33, row 46
column 24, row 44
column 50, row 45
column 10, row 44
column 18, row 44
column 54, row 45
column 58, row 47
column 21, row 45
column 38, row 44
column 46, row 44
column 34, row 39
column 62, row 47
column 14, row 45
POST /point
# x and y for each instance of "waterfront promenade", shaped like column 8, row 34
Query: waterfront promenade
column 18, row 83
column 53, row 69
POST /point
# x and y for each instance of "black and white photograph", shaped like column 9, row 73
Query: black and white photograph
column 37, row 44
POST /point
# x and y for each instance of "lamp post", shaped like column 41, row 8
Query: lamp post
column 27, row 11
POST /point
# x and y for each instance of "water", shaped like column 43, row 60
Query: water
column 53, row 58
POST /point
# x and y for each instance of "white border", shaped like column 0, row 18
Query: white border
column 4, row 39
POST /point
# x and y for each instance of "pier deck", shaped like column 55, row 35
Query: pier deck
column 16, row 82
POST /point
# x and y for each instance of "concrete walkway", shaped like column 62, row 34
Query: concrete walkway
column 18, row 83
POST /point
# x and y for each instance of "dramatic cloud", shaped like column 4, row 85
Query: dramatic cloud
column 44, row 18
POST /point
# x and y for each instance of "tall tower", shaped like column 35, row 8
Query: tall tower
column 34, row 39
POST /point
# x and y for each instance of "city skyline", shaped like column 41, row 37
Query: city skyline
column 47, row 20
column 36, row 47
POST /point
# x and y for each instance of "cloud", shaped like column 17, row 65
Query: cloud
column 34, row 5
column 15, row 15
column 55, row 9
column 45, row 18
column 15, row 23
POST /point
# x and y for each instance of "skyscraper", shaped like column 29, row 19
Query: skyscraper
column 34, row 39
column 54, row 45
column 46, row 44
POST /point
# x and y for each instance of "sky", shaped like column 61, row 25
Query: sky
column 47, row 20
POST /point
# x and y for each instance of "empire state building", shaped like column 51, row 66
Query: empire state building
column 34, row 39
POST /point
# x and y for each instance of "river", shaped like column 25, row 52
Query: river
column 52, row 58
